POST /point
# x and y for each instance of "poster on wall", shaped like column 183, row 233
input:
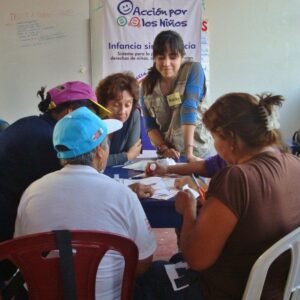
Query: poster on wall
column 123, row 37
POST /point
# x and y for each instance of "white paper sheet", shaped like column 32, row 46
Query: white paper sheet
column 163, row 186
column 148, row 154
column 194, row 193
column 138, row 165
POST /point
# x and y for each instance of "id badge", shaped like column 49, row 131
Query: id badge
column 174, row 99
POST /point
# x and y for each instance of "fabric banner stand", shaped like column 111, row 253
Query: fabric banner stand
column 123, row 35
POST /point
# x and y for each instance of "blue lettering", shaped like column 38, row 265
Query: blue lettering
column 120, row 46
column 150, row 12
column 177, row 12
column 172, row 23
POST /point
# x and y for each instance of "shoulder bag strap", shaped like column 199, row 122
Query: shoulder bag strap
column 63, row 240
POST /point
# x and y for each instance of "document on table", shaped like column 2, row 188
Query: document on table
column 148, row 154
column 194, row 193
column 163, row 186
column 138, row 165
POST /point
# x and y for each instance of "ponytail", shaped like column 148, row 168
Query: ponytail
column 268, row 111
column 149, row 82
column 45, row 102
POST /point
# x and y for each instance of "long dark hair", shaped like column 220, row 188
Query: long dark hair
column 165, row 40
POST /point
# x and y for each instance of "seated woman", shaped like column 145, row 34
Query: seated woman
column 203, row 167
column 119, row 93
column 250, row 204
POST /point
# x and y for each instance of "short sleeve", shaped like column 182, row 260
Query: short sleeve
column 214, row 164
column 231, row 188
column 140, row 230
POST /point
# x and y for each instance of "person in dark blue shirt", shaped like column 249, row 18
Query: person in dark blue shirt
column 26, row 149
column 3, row 125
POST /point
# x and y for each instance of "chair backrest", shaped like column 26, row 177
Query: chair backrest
column 42, row 274
column 259, row 270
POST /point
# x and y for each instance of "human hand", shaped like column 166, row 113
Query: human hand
column 134, row 150
column 154, row 168
column 142, row 190
column 180, row 182
column 185, row 201
column 171, row 153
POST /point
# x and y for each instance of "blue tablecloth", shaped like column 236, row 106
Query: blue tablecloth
column 160, row 213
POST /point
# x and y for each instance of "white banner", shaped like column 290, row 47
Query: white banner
column 128, row 28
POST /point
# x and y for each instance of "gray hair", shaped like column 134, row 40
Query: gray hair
column 85, row 159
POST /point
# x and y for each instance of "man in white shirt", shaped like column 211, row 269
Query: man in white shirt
column 79, row 197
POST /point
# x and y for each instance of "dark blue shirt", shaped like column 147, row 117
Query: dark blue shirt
column 26, row 154
column 3, row 125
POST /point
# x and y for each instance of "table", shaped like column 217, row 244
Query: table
column 160, row 213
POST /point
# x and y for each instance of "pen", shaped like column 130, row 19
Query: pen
column 200, row 190
column 128, row 162
column 139, row 176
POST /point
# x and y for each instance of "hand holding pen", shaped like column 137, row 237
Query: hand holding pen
column 199, row 189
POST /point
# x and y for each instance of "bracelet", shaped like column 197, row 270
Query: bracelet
column 189, row 145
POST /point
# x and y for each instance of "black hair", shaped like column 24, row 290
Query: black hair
column 45, row 103
column 165, row 40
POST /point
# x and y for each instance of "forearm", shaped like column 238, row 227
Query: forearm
column 188, row 138
column 188, row 225
column 197, row 167
column 156, row 138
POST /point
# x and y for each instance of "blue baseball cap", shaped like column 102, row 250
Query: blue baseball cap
column 81, row 131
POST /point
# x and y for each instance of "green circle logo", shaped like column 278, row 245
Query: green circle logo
column 122, row 21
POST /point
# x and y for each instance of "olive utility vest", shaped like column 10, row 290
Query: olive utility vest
column 168, row 118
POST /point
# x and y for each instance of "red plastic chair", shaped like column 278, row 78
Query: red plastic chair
column 42, row 275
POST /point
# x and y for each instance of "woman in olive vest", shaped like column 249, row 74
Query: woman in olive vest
column 172, row 101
